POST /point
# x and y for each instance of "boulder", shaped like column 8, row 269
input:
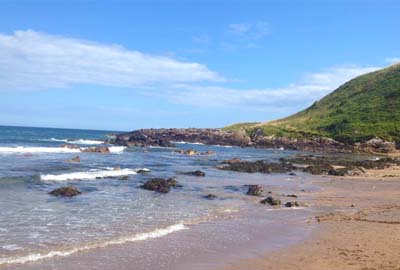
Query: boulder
column 271, row 201
column 69, row 191
column 254, row 190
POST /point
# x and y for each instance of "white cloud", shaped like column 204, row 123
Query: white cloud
column 252, row 31
column 311, row 87
column 32, row 60
column 393, row 60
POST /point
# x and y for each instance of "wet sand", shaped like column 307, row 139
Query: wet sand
column 357, row 227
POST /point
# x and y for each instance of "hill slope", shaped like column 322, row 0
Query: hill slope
column 359, row 110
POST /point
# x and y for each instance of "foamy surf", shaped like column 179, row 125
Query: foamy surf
column 39, row 149
column 64, row 253
column 23, row 149
column 91, row 175
column 78, row 141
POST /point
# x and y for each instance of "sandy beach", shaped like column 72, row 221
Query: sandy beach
column 358, row 227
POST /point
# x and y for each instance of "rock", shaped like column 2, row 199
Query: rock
column 255, row 190
column 271, row 201
column 124, row 177
column 117, row 168
column 165, row 137
column 209, row 152
column 292, row 204
column 191, row 152
column 323, row 169
column 210, row 197
column 196, row 173
column 160, row 185
column 69, row 191
column 292, row 174
column 232, row 161
column 377, row 145
column 144, row 170
column 291, row 195
column 259, row 166
column 76, row 159
column 98, row 149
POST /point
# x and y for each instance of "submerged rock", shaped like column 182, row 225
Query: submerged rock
column 76, row 159
column 255, row 190
column 271, row 201
column 97, row 149
column 70, row 146
column 210, row 197
column 160, row 185
column 196, row 173
column 69, row 191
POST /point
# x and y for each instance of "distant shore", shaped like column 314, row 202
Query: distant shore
column 358, row 228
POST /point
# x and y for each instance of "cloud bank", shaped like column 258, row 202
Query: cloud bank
column 311, row 87
column 32, row 60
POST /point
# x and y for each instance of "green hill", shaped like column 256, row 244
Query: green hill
column 359, row 110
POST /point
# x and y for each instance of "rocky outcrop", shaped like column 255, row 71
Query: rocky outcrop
column 167, row 137
column 69, row 191
column 376, row 145
column 210, row 196
column 258, row 166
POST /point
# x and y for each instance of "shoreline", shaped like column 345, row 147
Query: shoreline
column 358, row 228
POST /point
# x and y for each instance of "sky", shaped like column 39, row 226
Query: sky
column 124, row 65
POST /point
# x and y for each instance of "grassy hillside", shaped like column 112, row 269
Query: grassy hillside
column 364, row 107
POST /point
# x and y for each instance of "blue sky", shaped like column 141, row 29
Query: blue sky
column 141, row 64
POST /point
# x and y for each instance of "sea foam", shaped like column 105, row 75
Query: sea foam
column 122, row 240
column 90, row 175
column 78, row 141
column 38, row 149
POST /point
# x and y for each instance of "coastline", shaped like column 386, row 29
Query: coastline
column 358, row 228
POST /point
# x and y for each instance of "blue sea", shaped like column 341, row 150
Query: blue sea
column 37, row 228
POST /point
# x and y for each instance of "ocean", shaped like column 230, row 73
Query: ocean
column 37, row 228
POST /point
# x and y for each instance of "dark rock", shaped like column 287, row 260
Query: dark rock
column 196, row 173
column 292, row 174
column 232, row 161
column 142, row 171
column 76, row 159
column 157, row 184
column 69, row 191
column 254, row 190
column 292, row 195
column 210, row 197
column 98, row 149
column 292, row 204
column 323, row 169
column 259, row 166
column 271, row 201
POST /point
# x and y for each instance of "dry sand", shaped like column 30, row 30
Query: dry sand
column 358, row 228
